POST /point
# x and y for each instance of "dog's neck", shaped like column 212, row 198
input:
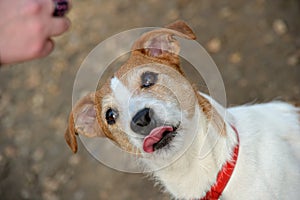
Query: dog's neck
column 201, row 162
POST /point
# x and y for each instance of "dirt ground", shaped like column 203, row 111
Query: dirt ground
column 255, row 44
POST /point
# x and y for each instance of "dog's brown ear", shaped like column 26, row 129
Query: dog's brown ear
column 161, row 43
column 182, row 28
column 83, row 120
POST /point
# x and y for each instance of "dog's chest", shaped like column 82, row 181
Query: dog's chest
column 269, row 158
column 188, row 176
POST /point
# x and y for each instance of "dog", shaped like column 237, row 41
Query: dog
column 195, row 147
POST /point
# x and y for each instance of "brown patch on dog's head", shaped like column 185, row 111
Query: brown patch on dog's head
column 112, row 132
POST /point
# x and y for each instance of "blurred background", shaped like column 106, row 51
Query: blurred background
column 255, row 44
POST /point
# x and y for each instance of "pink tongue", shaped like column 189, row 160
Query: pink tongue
column 155, row 136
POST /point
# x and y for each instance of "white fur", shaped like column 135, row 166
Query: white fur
column 268, row 165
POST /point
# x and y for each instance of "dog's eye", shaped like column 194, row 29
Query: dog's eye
column 148, row 79
column 111, row 116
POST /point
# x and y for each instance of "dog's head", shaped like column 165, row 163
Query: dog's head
column 148, row 106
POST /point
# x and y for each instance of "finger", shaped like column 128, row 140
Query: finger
column 58, row 26
column 48, row 6
column 47, row 49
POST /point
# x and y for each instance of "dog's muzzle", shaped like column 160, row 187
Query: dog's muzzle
column 143, row 122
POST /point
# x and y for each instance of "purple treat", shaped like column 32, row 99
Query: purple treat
column 61, row 7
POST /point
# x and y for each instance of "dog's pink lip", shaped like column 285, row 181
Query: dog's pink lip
column 154, row 137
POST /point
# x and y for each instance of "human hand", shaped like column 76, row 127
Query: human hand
column 26, row 29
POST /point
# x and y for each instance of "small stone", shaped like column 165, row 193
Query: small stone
column 58, row 68
column 59, row 123
column 280, row 27
column 10, row 151
column 61, row 177
column 38, row 155
column 79, row 195
column 225, row 12
column 34, row 78
column 53, row 89
column 25, row 194
column 37, row 100
column 74, row 160
column 50, row 184
column 50, row 196
column 214, row 45
column 36, row 168
column 293, row 60
column 173, row 14
column 235, row 58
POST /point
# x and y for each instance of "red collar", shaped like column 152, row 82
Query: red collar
column 224, row 175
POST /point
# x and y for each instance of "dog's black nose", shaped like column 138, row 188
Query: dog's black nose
column 142, row 118
column 142, row 122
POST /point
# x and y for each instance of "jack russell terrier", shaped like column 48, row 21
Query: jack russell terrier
column 150, row 109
